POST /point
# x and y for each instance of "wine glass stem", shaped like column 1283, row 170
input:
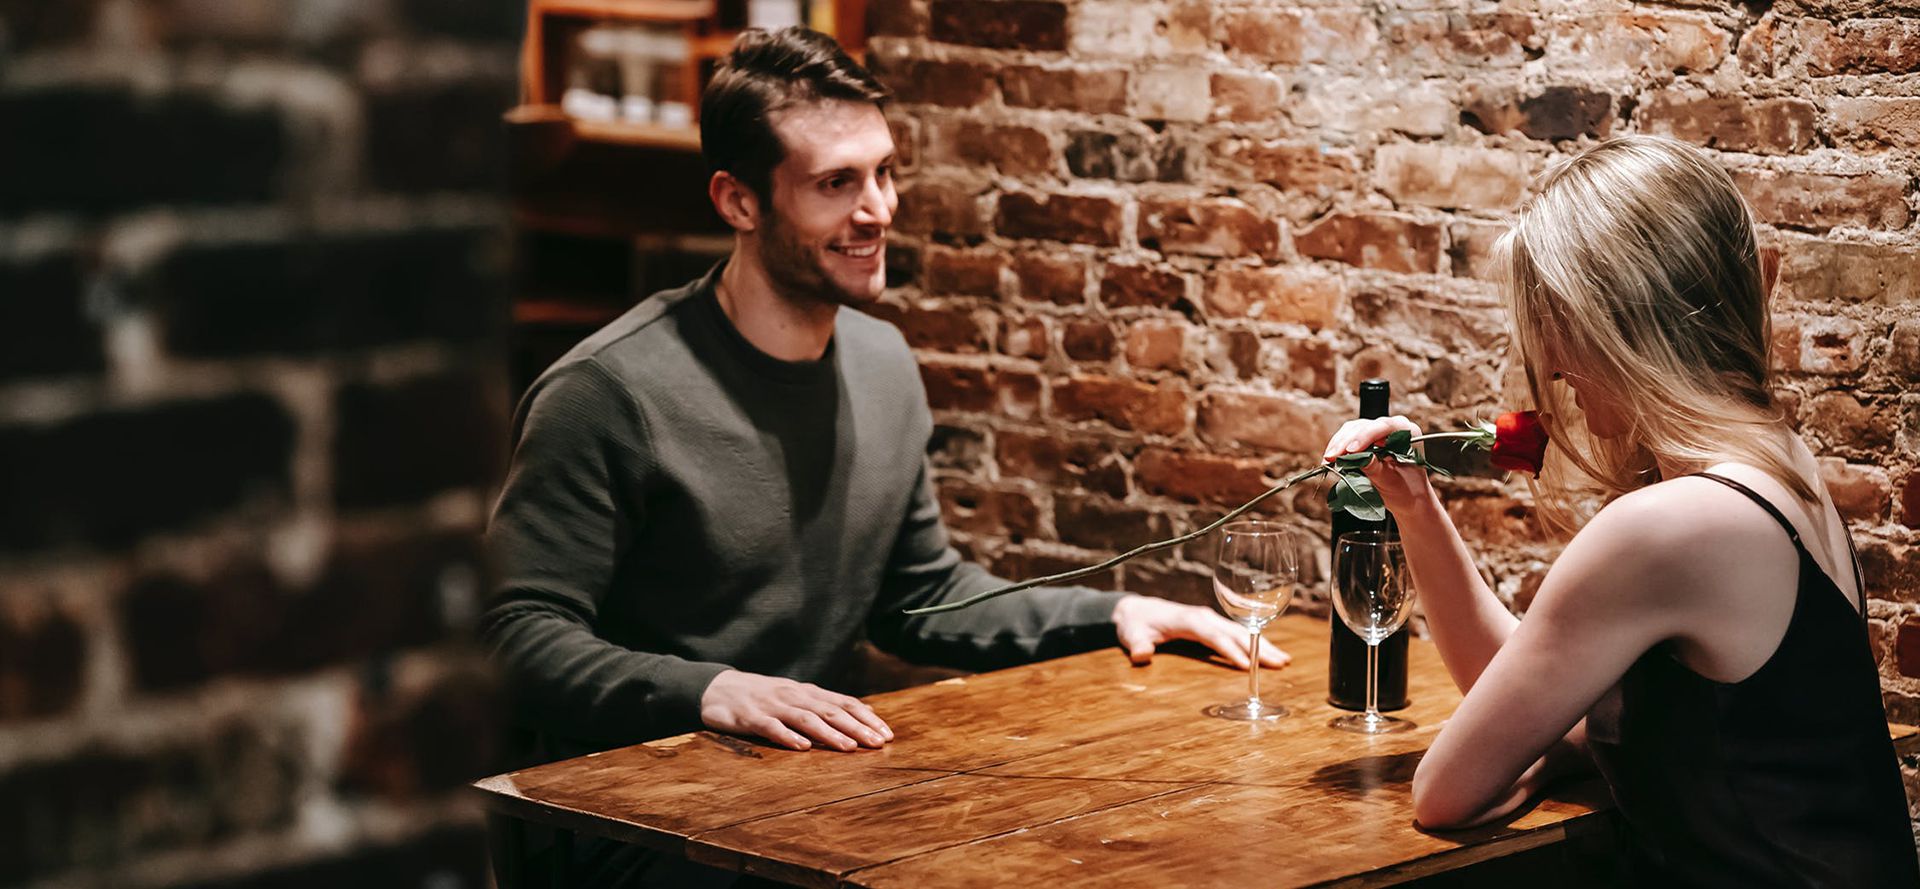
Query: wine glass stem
column 1373, row 682
column 1253, row 670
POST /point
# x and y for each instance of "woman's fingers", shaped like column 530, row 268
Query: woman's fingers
column 1358, row 435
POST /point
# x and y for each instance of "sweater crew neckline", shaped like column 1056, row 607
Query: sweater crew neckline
column 706, row 300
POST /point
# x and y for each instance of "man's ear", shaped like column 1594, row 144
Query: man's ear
column 735, row 202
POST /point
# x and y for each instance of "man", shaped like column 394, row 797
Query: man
column 713, row 499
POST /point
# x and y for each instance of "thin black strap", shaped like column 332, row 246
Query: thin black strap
column 1764, row 504
column 1852, row 554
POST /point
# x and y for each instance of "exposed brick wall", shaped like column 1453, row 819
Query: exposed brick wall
column 1159, row 243
column 252, row 397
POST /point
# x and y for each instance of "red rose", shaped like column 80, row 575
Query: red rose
column 1519, row 442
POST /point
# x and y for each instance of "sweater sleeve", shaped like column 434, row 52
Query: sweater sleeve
column 1029, row 625
column 572, row 497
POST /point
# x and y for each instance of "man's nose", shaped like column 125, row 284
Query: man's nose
column 876, row 205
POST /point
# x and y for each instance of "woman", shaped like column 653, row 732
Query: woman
column 1701, row 640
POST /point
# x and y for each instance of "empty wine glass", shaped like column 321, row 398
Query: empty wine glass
column 1373, row 594
column 1254, row 575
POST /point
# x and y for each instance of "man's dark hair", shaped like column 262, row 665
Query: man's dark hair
column 766, row 72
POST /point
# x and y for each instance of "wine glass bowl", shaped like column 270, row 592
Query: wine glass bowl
column 1256, row 569
column 1373, row 595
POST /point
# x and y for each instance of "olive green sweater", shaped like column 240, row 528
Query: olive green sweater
column 680, row 503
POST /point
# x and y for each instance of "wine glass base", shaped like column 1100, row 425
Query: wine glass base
column 1370, row 724
column 1249, row 710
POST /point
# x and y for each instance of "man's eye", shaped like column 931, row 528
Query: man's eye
column 836, row 183
column 886, row 172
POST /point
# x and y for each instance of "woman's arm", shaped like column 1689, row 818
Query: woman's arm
column 1607, row 600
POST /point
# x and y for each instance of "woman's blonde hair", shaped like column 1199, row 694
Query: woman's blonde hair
column 1636, row 267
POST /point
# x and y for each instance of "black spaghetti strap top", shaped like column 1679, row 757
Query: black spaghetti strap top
column 1785, row 778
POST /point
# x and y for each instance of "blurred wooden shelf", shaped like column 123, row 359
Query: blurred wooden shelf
column 639, row 135
column 633, row 10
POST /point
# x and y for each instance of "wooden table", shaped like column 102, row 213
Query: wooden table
column 1081, row 771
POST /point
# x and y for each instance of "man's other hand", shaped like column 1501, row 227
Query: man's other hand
column 1145, row 622
column 792, row 714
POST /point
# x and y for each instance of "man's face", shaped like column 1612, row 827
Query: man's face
column 824, row 234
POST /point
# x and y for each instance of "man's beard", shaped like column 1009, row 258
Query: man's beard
column 797, row 271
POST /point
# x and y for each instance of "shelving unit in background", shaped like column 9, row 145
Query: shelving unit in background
column 610, row 210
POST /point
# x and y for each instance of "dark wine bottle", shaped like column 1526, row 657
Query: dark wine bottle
column 1347, row 660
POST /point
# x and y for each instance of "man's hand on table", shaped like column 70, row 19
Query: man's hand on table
column 1144, row 622
column 791, row 714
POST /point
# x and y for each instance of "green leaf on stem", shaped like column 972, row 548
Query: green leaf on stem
column 1399, row 442
column 1355, row 460
column 1355, row 494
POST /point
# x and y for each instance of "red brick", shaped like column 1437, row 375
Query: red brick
column 1310, row 367
column 1840, row 420
column 1375, row 240
column 1016, row 393
column 1835, row 272
column 1859, row 491
column 1417, row 323
column 975, row 509
column 1245, row 97
column 1875, row 124
column 1099, row 523
column 1910, row 500
column 1126, row 404
column 943, row 328
column 1099, row 91
column 1051, row 278
column 1000, row 24
column 1294, row 167
column 1060, row 217
column 1860, row 46
column 1457, row 385
column 1170, row 582
column 1087, row 340
column 1283, row 294
column 1386, row 363
column 1819, row 201
column 1825, row 344
column 1024, row 337
column 1891, row 570
column 957, row 387
column 1470, row 246
column 1240, row 349
column 1652, row 42
column 1199, row 478
column 957, row 447
column 1440, row 41
column 934, row 82
column 950, row 208
column 1266, row 422
column 1450, row 176
column 1554, row 113
column 1157, row 345
column 1491, row 521
column 1903, row 350
column 1224, row 228
column 1177, row 93
column 1013, row 150
column 1732, row 123
column 1129, row 157
column 1128, row 286
column 1061, row 461
column 1298, row 36
column 968, row 272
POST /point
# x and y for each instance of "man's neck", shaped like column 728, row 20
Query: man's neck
column 785, row 328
